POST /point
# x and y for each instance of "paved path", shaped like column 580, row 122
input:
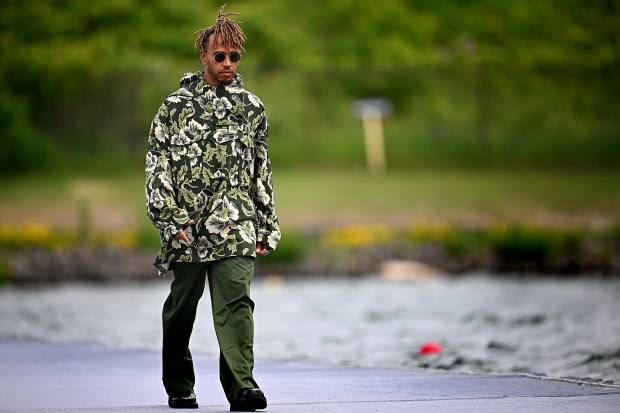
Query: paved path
column 40, row 377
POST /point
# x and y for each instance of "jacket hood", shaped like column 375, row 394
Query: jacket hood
column 194, row 81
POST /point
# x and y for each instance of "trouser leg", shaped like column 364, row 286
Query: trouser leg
column 229, row 285
column 178, row 317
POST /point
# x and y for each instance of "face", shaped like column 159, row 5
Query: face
column 218, row 73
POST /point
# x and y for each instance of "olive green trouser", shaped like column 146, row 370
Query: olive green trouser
column 229, row 285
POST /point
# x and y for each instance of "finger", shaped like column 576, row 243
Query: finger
column 183, row 236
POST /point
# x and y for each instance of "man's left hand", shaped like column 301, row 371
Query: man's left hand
column 181, row 233
column 262, row 249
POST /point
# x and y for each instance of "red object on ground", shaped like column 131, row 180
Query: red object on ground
column 431, row 347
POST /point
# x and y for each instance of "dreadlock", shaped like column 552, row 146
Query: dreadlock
column 227, row 29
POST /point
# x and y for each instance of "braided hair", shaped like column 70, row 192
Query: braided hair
column 226, row 29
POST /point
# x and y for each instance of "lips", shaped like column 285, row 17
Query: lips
column 226, row 73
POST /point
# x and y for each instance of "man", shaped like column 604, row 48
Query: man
column 209, row 192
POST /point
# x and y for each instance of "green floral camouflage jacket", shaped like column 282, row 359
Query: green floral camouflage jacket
column 207, row 160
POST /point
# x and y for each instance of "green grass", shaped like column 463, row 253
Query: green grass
column 445, row 193
column 306, row 198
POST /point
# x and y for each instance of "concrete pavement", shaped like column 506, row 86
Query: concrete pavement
column 42, row 377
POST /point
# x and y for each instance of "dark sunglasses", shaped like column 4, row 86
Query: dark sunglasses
column 221, row 56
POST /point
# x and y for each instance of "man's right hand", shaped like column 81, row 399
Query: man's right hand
column 181, row 233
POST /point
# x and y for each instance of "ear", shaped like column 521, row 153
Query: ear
column 203, row 57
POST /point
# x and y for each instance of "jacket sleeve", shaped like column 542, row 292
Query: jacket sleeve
column 161, row 206
column 268, row 231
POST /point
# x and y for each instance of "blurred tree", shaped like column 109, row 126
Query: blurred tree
column 524, row 83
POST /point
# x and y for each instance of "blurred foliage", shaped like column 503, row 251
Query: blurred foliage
column 473, row 83
column 5, row 271
column 293, row 246
column 35, row 234
column 528, row 246
column 523, row 244
column 507, row 246
column 424, row 230
column 357, row 235
column 148, row 237
column 42, row 235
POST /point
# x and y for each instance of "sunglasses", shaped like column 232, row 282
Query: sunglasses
column 221, row 56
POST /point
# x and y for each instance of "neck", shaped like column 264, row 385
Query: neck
column 209, row 81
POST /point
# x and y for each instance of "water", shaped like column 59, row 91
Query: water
column 562, row 328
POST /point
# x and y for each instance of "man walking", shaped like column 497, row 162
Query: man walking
column 210, row 194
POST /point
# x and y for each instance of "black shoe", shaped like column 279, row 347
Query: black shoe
column 249, row 400
column 183, row 400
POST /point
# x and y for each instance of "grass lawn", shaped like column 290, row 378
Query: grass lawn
column 321, row 198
